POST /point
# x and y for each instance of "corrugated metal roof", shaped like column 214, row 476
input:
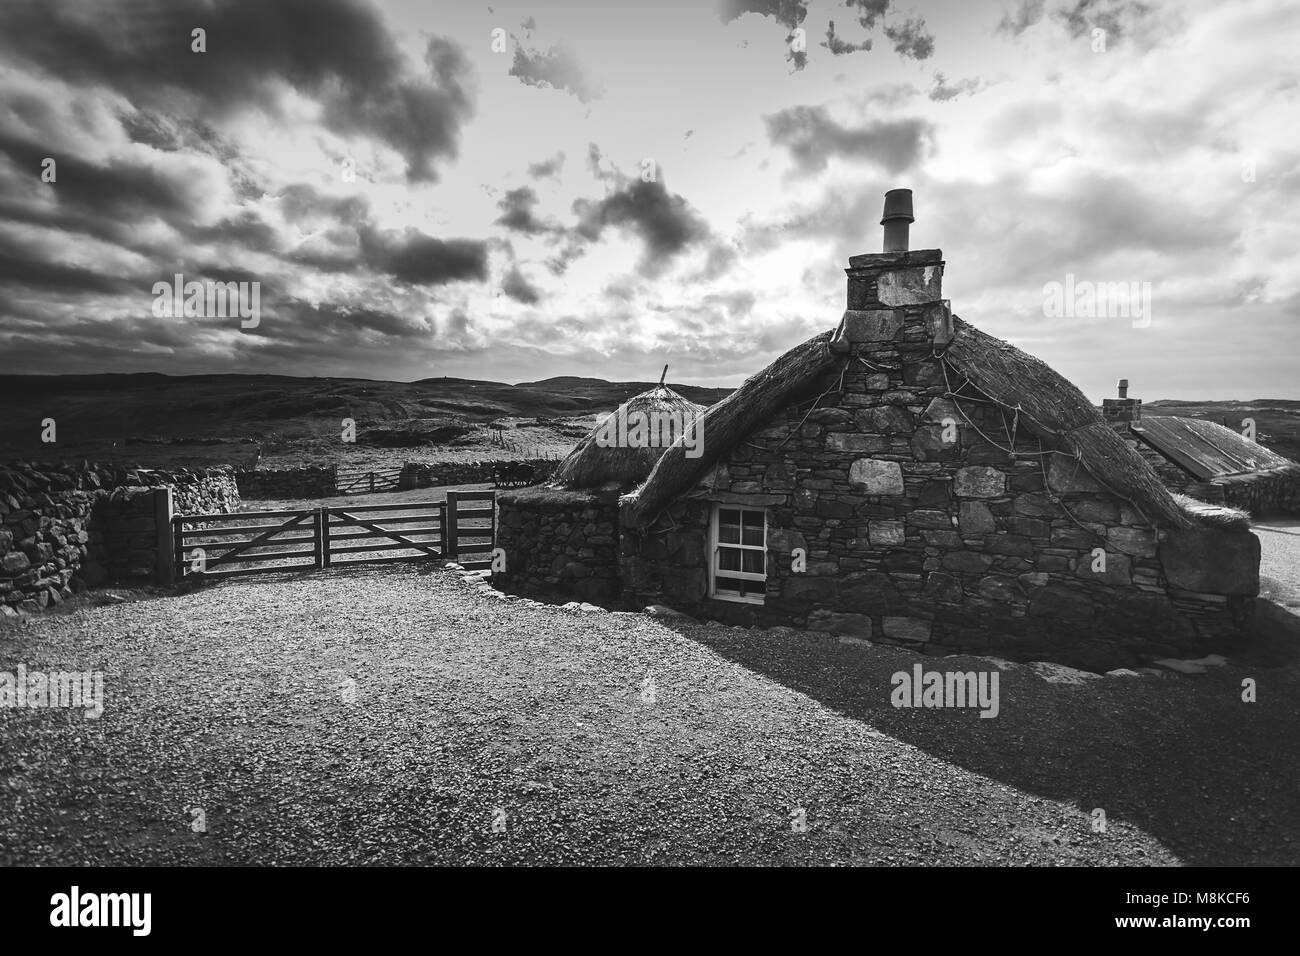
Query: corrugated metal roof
column 1204, row 448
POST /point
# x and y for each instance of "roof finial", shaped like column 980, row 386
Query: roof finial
column 664, row 375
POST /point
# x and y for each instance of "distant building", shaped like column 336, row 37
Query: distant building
column 1206, row 460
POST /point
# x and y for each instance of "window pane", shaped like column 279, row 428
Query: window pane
column 729, row 527
column 753, row 519
column 753, row 562
column 753, row 536
column 728, row 516
column 729, row 585
column 728, row 559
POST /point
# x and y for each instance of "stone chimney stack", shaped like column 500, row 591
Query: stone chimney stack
column 1123, row 411
column 887, row 289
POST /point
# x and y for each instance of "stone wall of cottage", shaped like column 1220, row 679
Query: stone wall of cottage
column 977, row 544
column 559, row 544
column 64, row 528
column 288, row 483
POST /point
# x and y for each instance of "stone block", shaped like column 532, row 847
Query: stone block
column 875, row 477
column 1211, row 560
column 886, row 532
column 869, row 325
column 914, row 285
column 857, row 625
column 1133, row 541
column 1065, row 475
column 943, row 588
column 910, row 629
column 979, row 481
column 857, row 444
column 974, row 518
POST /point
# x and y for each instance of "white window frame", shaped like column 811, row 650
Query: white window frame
column 715, row 547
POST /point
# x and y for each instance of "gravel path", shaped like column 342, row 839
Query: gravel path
column 391, row 714
column 1279, row 566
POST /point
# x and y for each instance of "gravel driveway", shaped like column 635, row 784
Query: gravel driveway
column 397, row 714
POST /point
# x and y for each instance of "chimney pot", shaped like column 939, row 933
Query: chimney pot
column 1123, row 388
column 896, row 219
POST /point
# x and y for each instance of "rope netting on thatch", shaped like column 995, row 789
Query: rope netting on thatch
column 727, row 423
column 590, row 464
column 1054, row 409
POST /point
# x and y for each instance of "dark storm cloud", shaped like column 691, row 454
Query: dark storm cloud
column 840, row 47
column 789, row 13
column 337, row 52
column 414, row 257
column 812, row 138
column 121, row 189
column 664, row 221
column 556, row 67
column 18, row 268
column 517, row 212
column 516, row 286
column 301, row 201
column 547, row 167
column 911, row 39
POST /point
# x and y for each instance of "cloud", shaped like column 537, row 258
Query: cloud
column 943, row 90
column 516, row 286
column 335, row 52
column 840, row 47
column 911, row 39
column 665, row 222
column 869, row 11
column 789, row 13
column 1026, row 14
column 517, row 212
column 414, row 257
column 812, row 138
column 547, row 167
column 1116, row 17
column 557, row 68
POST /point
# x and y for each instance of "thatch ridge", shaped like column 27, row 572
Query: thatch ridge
column 1051, row 406
column 727, row 423
column 590, row 465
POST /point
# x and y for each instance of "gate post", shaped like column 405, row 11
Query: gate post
column 451, row 531
column 167, row 546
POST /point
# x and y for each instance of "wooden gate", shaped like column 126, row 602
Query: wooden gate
column 461, row 528
column 363, row 482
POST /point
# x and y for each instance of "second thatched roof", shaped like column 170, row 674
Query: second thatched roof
column 1050, row 406
column 590, row 465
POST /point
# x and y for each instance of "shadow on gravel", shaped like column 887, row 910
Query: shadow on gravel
column 1180, row 756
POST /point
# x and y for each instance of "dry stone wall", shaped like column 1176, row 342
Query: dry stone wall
column 64, row 528
column 289, row 483
column 439, row 474
column 559, row 543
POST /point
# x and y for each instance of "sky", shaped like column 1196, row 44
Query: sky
column 513, row 191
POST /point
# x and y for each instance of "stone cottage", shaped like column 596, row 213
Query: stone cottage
column 1206, row 460
column 910, row 479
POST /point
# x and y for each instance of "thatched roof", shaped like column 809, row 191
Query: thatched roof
column 1050, row 407
column 590, row 465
